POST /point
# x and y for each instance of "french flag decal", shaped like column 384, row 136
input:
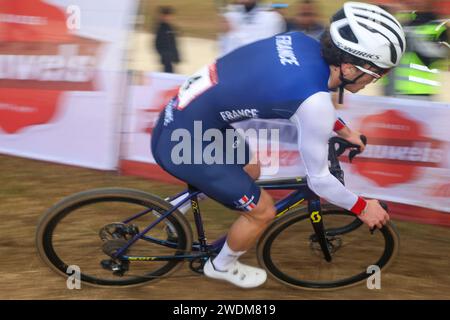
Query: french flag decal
column 246, row 203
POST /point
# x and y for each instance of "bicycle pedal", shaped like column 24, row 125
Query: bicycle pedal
column 198, row 264
column 118, row 268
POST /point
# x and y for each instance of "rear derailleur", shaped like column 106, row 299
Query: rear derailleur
column 115, row 236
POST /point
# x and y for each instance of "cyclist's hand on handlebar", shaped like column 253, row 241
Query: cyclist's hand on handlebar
column 354, row 137
column 374, row 215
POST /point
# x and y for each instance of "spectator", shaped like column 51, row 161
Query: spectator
column 246, row 22
column 165, row 42
column 306, row 19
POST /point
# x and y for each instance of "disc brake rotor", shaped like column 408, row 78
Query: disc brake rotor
column 333, row 243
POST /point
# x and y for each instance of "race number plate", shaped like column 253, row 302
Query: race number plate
column 197, row 84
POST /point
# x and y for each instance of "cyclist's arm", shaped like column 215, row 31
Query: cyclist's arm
column 315, row 119
column 343, row 131
column 348, row 134
column 340, row 127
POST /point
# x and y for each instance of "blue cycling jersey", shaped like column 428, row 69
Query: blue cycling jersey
column 268, row 79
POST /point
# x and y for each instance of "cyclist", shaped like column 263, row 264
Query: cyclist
column 288, row 76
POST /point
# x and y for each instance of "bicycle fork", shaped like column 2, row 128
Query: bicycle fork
column 315, row 216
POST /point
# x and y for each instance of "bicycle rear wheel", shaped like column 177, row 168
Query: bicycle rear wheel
column 290, row 253
column 81, row 229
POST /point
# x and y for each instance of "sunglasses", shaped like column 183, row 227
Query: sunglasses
column 306, row 14
column 376, row 76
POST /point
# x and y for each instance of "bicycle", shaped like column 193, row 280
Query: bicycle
column 335, row 253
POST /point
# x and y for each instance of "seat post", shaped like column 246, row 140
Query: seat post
column 197, row 217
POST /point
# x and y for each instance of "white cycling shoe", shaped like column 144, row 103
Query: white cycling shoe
column 239, row 274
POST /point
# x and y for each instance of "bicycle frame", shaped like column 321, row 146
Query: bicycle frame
column 301, row 193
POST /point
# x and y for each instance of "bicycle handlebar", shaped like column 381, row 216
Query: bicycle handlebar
column 334, row 153
column 343, row 145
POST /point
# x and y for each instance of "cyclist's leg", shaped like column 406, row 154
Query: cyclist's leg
column 253, row 168
column 246, row 230
column 231, row 185
column 160, row 134
column 227, row 184
column 249, row 226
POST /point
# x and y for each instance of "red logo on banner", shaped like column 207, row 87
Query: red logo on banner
column 398, row 149
column 39, row 60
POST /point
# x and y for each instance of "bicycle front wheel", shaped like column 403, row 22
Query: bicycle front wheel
column 86, row 229
column 291, row 254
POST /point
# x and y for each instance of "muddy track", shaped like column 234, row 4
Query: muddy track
column 421, row 271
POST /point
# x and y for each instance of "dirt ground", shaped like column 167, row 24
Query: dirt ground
column 29, row 187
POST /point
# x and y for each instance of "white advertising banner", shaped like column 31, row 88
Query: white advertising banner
column 145, row 102
column 408, row 156
column 62, row 79
column 406, row 161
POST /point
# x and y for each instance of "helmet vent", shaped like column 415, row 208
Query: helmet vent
column 347, row 33
column 371, row 12
column 400, row 41
column 391, row 45
column 338, row 16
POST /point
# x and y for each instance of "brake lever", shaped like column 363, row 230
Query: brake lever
column 353, row 154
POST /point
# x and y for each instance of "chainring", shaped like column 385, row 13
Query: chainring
column 197, row 264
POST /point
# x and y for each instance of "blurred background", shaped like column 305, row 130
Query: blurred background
column 82, row 84
column 199, row 30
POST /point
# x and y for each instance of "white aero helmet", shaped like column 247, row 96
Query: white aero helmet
column 368, row 32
